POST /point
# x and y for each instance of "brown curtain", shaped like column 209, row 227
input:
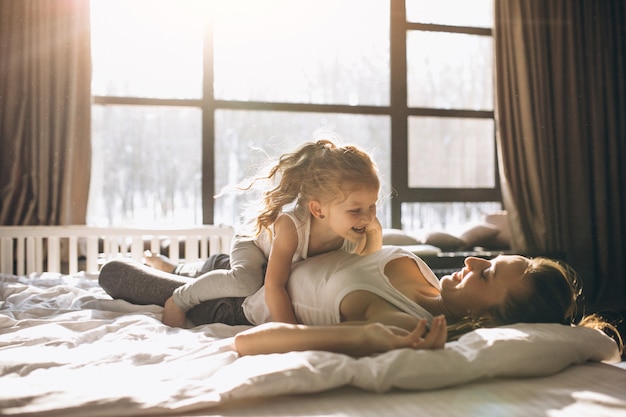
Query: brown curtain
column 561, row 119
column 45, row 75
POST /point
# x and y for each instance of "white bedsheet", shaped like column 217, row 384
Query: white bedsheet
column 67, row 348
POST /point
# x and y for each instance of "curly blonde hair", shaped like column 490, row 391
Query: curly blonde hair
column 319, row 171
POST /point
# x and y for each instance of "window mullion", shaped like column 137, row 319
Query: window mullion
column 399, row 109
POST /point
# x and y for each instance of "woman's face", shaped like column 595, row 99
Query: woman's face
column 483, row 284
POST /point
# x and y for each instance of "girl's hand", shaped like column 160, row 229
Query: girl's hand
column 375, row 230
column 382, row 338
column 373, row 239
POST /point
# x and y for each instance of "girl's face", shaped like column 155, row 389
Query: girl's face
column 349, row 218
column 483, row 284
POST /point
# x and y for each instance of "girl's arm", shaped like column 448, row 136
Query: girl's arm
column 284, row 245
column 373, row 239
column 354, row 340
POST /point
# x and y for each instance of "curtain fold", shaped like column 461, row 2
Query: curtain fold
column 45, row 105
column 561, row 121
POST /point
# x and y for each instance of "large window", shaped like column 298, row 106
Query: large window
column 191, row 97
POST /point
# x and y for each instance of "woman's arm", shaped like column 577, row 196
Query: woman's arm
column 354, row 340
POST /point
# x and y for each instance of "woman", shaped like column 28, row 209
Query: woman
column 396, row 288
column 361, row 305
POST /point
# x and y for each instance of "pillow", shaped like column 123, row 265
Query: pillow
column 397, row 237
column 478, row 234
column 423, row 250
column 444, row 241
column 521, row 350
column 501, row 221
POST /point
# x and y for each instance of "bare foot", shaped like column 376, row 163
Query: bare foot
column 160, row 262
column 173, row 316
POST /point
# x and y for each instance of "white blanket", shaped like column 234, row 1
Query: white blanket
column 66, row 347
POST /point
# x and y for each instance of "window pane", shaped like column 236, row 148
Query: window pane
column 451, row 153
column 146, row 166
column 245, row 140
column 449, row 70
column 444, row 216
column 313, row 51
column 146, row 48
column 473, row 13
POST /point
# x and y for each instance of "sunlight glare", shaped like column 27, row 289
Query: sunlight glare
column 141, row 44
column 279, row 49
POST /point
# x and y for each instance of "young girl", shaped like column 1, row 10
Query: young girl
column 333, row 191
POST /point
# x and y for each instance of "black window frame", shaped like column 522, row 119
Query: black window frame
column 398, row 111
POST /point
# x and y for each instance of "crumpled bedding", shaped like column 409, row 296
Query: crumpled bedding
column 67, row 349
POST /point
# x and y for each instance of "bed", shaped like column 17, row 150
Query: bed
column 68, row 349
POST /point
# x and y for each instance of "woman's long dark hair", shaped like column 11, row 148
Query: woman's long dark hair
column 555, row 289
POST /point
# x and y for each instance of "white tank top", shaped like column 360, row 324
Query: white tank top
column 318, row 285
column 303, row 228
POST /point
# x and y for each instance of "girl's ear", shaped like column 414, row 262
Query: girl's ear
column 316, row 209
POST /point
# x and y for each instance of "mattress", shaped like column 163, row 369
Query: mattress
column 68, row 349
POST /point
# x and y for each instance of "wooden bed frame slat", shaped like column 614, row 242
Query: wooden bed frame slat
column 35, row 249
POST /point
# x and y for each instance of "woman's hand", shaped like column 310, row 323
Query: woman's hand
column 382, row 338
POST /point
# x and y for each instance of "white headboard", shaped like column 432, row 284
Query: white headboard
column 27, row 249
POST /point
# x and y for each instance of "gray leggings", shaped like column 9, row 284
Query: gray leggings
column 243, row 278
column 141, row 284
